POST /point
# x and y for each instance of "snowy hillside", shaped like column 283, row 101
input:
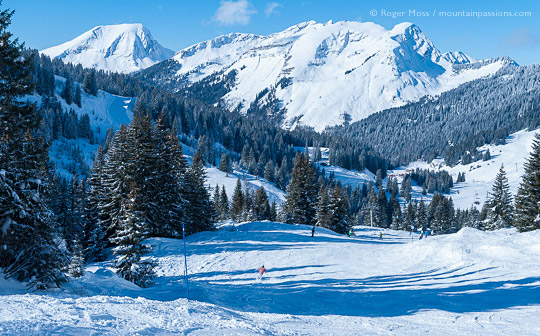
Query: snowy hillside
column 480, row 175
column 105, row 110
column 119, row 48
column 468, row 283
column 324, row 74
column 229, row 180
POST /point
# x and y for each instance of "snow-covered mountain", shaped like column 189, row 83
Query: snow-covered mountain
column 120, row 48
column 324, row 74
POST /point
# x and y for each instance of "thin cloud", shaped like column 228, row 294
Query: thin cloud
column 272, row 8
column 234, row 13
column 519, row 38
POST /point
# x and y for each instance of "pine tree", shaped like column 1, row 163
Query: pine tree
column 78, row 99
column 396, row 217
column 129, row 244
column 67, row 93
column 95, row 233
column 249, row 209
column 225, row 164
column 406, row 187
column 302, row 192
column 273, row 211
column 339, row 211
column 90, row 83
column 237, row 206
column 75, row 268
column 380, row 214
column 323, row 218
column 527, row 213
column 162, row 181
column 378, row 179
column 261, row 206
column 499, row 203
column 30, row 246
column 269, row 171
column 224, row 204
column 199, row 209
column 116, row 181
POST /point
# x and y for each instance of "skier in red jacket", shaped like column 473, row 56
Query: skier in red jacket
column 261, row 271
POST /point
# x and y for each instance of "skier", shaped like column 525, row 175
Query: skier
column 350, row 232
column 261, row 271
column 380, row 235
column 313, row 231
column 421, row 236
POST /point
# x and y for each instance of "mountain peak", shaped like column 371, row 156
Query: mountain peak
column 324, row 74
column 122, row 48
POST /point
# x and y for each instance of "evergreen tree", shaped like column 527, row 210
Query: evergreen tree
column 78, row 99
column 527, row 213
column 90, row 83
column 67, row 93
column 323, row 218
column 301, row 195
column 396, row 217
column 94, row 239
column 269, row 171
column 76, row 268
column 261, row 206
column 162, row 181
column 380, row 214
column 129, row 244
column 225, row 163
column 406, row 187
column 199, row 209
column 339, row 211
column 116, row 182
column 378, row 179
column 30, row 248
column 224, row 204
column 499, row 203
column 273, row 212
column 237, row 206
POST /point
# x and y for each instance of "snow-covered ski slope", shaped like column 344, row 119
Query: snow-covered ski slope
column 480, row 175
column 214, row 177
column 469, row 283
column 251, row 182
column 105, row 110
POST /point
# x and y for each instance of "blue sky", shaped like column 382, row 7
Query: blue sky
column 177, row 24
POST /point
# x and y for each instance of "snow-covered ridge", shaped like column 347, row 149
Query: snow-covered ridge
column 334, row 70
column 120, row 48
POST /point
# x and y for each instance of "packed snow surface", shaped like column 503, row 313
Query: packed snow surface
column 119, row 48
column 468, row 283
column 323, row 73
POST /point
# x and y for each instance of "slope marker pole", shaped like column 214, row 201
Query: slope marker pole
column 185, row 261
